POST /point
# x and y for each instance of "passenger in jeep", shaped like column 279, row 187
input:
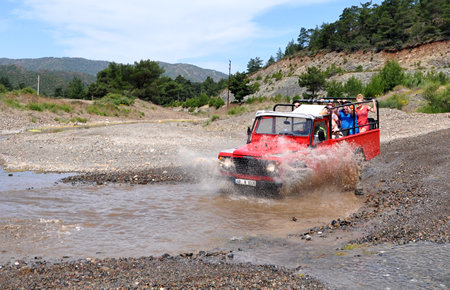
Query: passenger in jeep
column 348, row 121
column 362, row 112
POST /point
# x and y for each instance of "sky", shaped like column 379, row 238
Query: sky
column 205, row 33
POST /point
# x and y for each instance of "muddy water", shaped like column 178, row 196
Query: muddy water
column 42, row 217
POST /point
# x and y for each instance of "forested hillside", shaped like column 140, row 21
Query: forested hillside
column 92, row 67
column 16, row 77
column 62, row 64
column 392, row 25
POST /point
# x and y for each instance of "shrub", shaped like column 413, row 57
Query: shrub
column 440, row 77
column 101, row 109
column 392, row 75
column 335, row 89
column 78, row 119
column 394, row 102
column 216, row 102
column 353, row 87
column 256, row 86
column 437, row 101
column 13, row 103
column 375, row 87
column 277, row 76
column 277, row 98
column 236, row 111
column 333, row 70
column 214, row 117
column 35, row 107
column 256, row 100
column 414, row 80
column 24, row 91
column 117, row 99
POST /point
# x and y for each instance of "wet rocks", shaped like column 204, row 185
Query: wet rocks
column 184, row 271
column 151, row 175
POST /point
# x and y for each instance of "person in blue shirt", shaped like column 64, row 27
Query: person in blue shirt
column 348, row 120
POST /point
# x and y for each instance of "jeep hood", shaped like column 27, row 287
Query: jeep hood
column 269, row 148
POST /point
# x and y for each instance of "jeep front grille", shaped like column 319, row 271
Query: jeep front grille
column 250, row 166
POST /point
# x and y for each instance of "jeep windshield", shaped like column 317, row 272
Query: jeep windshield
column 282, row 125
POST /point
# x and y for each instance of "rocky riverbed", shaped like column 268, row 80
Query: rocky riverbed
column 405, row 189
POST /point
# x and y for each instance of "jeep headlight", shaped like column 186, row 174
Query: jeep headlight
column 272, row 167
column 226, row 163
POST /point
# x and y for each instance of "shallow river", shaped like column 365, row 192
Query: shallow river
column 40, row 216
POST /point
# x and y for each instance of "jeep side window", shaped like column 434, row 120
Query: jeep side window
column 320, row 132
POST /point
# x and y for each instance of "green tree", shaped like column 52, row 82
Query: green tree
column 58, row 93
column 313, row 80
column 335, row 89
column 4, row 80
column 353, row 86
column 254, row 65
column 392, row 75
column 291, row 48
column 375, row 87
column 239, row 86
column 76, row 89
column 145, row 73
column 303, row 38
column 270, row 61
column 280, row 54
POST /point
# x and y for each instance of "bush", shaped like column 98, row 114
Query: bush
column 414, row 80
column 333, row 70
column 440, row 77
column 392, row 75
column 13, row 103
column 256, row 99
column 237, row 111
column 79, row 120
column 2, row 89
column 24, row 91
column 101, row 109
column 437, row 101
column 394, row 102
column 335, row 89
column 117, row 99
column 353, row 87
column 214, row 117
column 277, row 76
column 278, row 98
column 35, row 107
column 216, row 102
column 375, row 87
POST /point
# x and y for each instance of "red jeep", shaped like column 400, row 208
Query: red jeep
column 296, row 137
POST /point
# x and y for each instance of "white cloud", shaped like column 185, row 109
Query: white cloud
column 127, row 31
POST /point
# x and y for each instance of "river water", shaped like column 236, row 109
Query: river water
column 41, row 217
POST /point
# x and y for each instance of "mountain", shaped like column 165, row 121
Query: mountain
column 63, row 64
column 92, row 67
column 49, row 80
column 190, row 72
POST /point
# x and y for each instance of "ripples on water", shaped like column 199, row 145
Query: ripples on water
column 41, row 217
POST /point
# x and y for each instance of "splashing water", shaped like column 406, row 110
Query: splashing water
column 337, row 166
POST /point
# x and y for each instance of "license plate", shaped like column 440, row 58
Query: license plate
column 245, row 182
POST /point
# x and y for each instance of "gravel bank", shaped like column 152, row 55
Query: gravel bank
column 406, row 192
column 205, row 270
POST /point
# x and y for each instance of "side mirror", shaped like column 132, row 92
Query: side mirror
column 249, row 134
